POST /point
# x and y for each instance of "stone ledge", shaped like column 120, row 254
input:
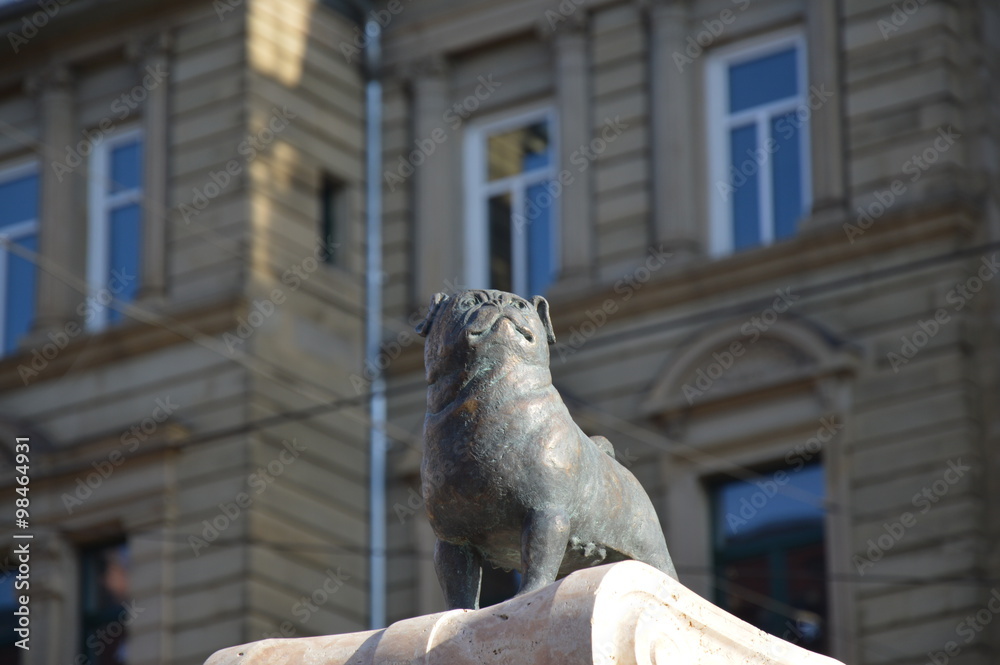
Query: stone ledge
column 625, row 613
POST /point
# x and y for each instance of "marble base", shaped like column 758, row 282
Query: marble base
column 625, row 613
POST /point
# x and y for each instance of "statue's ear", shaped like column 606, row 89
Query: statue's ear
column 542, row 307
column 424, row 327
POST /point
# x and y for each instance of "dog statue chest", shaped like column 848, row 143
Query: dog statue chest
column 495, row 457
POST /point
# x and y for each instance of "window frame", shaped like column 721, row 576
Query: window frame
column 8, row 173
column 99, row 206
column 478, row 190
column 721, row 121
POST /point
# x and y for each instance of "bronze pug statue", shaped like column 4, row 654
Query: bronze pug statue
column 508, row 478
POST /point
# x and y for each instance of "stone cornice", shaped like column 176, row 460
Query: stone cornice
column 703, row 277
column 85, row 350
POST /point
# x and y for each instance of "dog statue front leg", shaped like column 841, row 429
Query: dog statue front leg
column 460, row 571
column 543, row 546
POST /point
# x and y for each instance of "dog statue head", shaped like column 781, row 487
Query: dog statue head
column 484, row 326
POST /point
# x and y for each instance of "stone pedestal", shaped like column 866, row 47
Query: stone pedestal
column 625, row 613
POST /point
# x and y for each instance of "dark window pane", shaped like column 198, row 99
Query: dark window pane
column 538, row 234
column 807, row 593
column 105, row 591
column 125, row 256
column 763, row 80
column 18, row 200
column 744, row 176
column 786, row 181
column 744, row 584
column 518, row 151
column 746, row 509
column 20, row 312
column 769, row 553
column 501, row 259
column 126, row 167
column 333, row 223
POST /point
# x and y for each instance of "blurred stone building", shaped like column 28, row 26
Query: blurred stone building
column 767, row 231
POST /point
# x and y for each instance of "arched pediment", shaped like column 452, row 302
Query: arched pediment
column 734, row 359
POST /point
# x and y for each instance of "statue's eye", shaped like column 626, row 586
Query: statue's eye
column 468, row 302
column 521, row 305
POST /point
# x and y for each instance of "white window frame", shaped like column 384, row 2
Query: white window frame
column 12, row 233
column 478, row 190
column 721, row 121
column 100, row 204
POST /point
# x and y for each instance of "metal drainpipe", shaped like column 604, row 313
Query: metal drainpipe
column 373, row 325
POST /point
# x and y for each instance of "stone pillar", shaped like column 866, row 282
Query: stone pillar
column 675, row 218
column 576, row 224
column 62, row 230
column 825, row 125
column 155, row 58
column 436, row 233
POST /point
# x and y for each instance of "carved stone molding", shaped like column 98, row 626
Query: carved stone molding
column 626, row 612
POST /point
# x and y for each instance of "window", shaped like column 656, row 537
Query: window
column 333, row 220
column 115, row 232
column 19, row 227
column 758, row 143
column 770, row 563
column 107, row 610
column 10, row 653
column 511, row 241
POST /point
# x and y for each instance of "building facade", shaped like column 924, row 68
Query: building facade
column 176, row 353
column 767, row 237
column 767, row 232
